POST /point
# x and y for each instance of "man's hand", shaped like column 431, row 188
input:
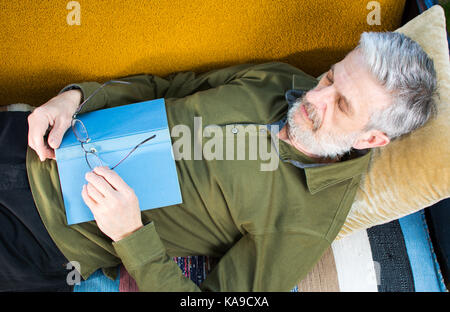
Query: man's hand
column 56, row 115
column 113, row 203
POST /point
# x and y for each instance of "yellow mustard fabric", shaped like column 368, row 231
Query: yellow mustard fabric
column 41, row 53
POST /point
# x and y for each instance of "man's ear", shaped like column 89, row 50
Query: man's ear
column 371, row 139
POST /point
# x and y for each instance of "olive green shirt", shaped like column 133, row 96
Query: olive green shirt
column 267, row 227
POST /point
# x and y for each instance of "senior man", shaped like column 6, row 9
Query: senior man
column 267, row 227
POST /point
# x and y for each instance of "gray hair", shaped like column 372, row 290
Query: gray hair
column 407, row 73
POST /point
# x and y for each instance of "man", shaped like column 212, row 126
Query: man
column 267, row 227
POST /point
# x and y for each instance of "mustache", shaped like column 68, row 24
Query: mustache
column 312, row 112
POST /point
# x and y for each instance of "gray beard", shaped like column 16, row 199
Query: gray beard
column 325, row 145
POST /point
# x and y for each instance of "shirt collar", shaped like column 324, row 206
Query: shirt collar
column 318, row 175
column 322, row 177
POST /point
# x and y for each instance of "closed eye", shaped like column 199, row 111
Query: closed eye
column 330, row 81
column 340, row 105
column 343, row 104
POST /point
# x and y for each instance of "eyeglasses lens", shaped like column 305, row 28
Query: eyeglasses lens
column 93, row 160
column 80, row 131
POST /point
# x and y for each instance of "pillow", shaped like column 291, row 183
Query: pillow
column 413, row 171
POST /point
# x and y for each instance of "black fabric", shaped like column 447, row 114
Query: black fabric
column 29, row 259
column 389, row 253
column 438, row 220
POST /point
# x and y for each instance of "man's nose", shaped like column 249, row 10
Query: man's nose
column 322, row 98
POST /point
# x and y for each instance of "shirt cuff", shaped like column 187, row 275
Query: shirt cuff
column 140, row 247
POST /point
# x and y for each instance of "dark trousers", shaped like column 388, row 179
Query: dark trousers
column 29, row 259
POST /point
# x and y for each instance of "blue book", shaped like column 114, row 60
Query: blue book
column 150, row 170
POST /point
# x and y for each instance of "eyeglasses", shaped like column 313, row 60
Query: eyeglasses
column 81, row 133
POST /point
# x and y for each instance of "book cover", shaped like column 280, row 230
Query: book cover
column 150, row 170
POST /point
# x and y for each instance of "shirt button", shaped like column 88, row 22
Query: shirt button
column 234, row 130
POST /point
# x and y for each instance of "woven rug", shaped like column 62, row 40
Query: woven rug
column 389, row 251
column 195, row 268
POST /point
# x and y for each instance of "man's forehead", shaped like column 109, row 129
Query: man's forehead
column 357, row 84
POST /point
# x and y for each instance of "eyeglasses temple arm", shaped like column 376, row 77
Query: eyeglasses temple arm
column 147, row 139
column 95, row 92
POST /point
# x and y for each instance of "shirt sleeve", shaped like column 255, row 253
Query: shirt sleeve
column 146, row 87
column 268, row 262
column 145, row 258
